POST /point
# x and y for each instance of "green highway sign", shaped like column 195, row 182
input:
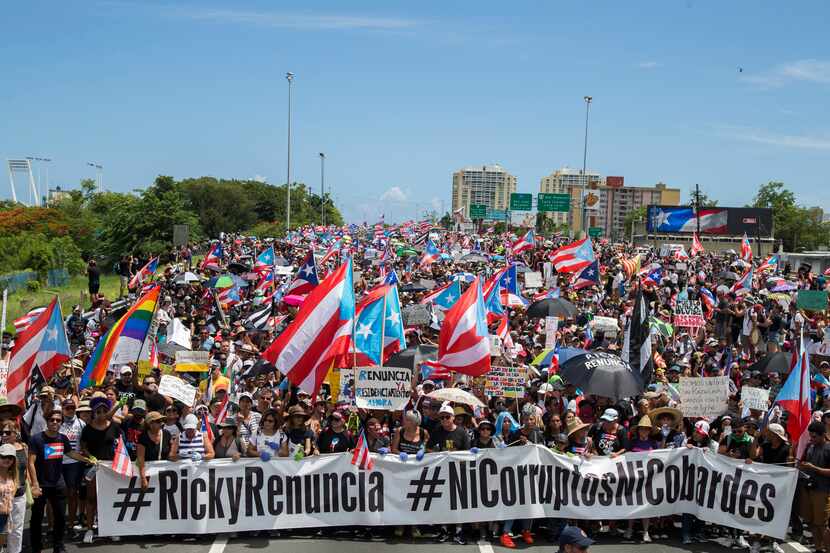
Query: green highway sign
column 478, row 211
column 521, row 202
column 496, row 214
column 593, row 232
column 554, row 202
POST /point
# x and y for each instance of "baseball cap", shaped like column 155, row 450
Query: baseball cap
column 428, row 383
column 446, row 409
column 571, row 535
column 778, row 430
column 610, row 415
column 702, row 427
column 190, row 422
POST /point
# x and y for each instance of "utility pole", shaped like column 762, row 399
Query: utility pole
column 697, row 208
column 322, row 189
column 290, row 78
column 584, row 211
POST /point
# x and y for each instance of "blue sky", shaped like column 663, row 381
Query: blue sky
column 398, row 98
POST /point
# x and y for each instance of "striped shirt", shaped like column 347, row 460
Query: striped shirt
column 187, row 446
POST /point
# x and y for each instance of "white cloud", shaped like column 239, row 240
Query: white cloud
column 760, row 136
column 259, row 178
column 808, row 70
column 394, row 194
column 435, row 203
column 649, row 64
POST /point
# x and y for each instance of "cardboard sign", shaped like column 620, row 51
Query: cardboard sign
column 505, row 382
column 144, row 369
column 177, row 388
column 755, row 398
column 192, row 361
column 416, row 315
column 551, row 324
column 533, row 280
column 688, row 313
column 811, row 300
column 382, row 387
column 608, row 325
column 495, row 346
column 704, row 397
column 179, row 334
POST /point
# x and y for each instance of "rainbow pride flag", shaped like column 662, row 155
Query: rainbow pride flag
column 123, row 342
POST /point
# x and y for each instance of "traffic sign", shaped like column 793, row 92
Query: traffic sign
column 478, row 211
column 554, row 202
column 593, row 232
column 496, row 214
column 521, row 202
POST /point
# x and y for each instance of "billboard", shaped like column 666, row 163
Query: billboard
column 731, row 221
column 614, row 182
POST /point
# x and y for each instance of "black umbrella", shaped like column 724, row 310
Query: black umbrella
column 413, row 287
column 552, row 307
column 602, row 374
column 729, row 275
column 474, row 257
column 413, row 357
column 778, row 362
column 238, row 268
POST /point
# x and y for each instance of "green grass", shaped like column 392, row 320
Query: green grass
column 23, row 300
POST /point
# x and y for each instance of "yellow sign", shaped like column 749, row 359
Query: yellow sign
column 192, row 361
column 144, row 369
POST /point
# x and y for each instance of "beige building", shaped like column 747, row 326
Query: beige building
column 565, row 181
column 488, row 185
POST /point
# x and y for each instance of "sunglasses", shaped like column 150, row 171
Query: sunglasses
column 6, row 433
column 56, row 421
column 155, row 421
column 445, row 417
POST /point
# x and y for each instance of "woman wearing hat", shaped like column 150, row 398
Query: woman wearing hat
column 154, row 444
column 98, row 440
column 641, row 439
column 667, row 420
column 300, row 442
column 227, row 445
column 578, row 441
column 10, row 434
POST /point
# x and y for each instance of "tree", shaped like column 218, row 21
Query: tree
column 701, row 199
column 797, row 227
column 634, row 216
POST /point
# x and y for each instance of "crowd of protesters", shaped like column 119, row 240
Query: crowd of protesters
column 50, row 449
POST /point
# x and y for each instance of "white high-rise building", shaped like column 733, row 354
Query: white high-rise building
column 487, row 185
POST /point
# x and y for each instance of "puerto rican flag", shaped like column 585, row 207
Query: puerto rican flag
column 697, row 247
column 333, row 250
column 744, row 284
column 589, row 276
column 555, row 292
column 526, row 242
column 53, row 450
column 121, row 462
column 431, row 255
column 492, row 297
column 769, row 263
column 573, row 257
column 320, row 333
column 511, row 296
column 464, row 343
column 306, row 279
column 681, row 255
column 707, row 298
column 265, row 260
column 746, row 249
column 266, row 281
column 147, row 271
column 215, row 255
column 378, row 319
column 795, row 398
column 654, row 276
column 43, row 344
column 444, row 297
column 361, row 457
column 22, row 323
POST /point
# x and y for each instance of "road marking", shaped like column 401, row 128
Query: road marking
column 218, row 544
column 484, row 547
column 794, row 546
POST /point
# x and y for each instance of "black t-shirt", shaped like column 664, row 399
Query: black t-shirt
column 155, row 402
column 94, row 274
column 335, row 442
column 125, row 390
column 607, row 443
column 101, row 443
column 774, row 455
column 297, row 436
column 151, row 449
column 49, row 458
column 456, row 440
column 132, row 431
column 737, row 449
column 534, row 436
column 124, row 268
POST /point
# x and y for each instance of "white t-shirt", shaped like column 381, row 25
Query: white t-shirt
column 258, row 440
column 72, row 430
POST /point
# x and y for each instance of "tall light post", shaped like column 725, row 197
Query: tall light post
column 99, row 175
column 322, row 189
column 585, row 168
column 290, row 78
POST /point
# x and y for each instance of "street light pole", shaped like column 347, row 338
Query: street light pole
column 585, row 168
column 99, row 175
column 322, row 189
column 290, row 78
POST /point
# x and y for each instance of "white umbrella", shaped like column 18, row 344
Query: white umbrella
column 187, row 277
column 456, row 395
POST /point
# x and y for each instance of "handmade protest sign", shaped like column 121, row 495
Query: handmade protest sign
column 145, row 368
column 689, row 313
column 506, row 382
column 179, row 334
column 177, row 388
column 382, row 387
column 533, row 280
column 551, row 325
column 704, row 397
column 811, row 300
column 416, row 315
column 755, row 398
column 192, row 361
column 526, row 482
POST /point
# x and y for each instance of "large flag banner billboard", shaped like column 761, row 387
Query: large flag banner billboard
column 733, row 221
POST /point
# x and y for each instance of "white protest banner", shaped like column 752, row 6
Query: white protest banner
column 533, row 280
column 176, row 388
column 284, row 270
column 704, row 397
column 524, row 482
column 192, row 361
column 608, row 325
column 551, row 325
column 505, row 382
column 382, row 387
column 416, row 315
column 495, row 346
column 755, row 398
column 179, row 334
column 688, row 313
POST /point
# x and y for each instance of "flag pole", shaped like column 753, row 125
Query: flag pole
column 383, row 328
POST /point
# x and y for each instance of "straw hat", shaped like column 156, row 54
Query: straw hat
column 675, row 414
column 576, row 425
column 645, row 422
column 11, row 409
column 297, row 411
column 152, row 416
